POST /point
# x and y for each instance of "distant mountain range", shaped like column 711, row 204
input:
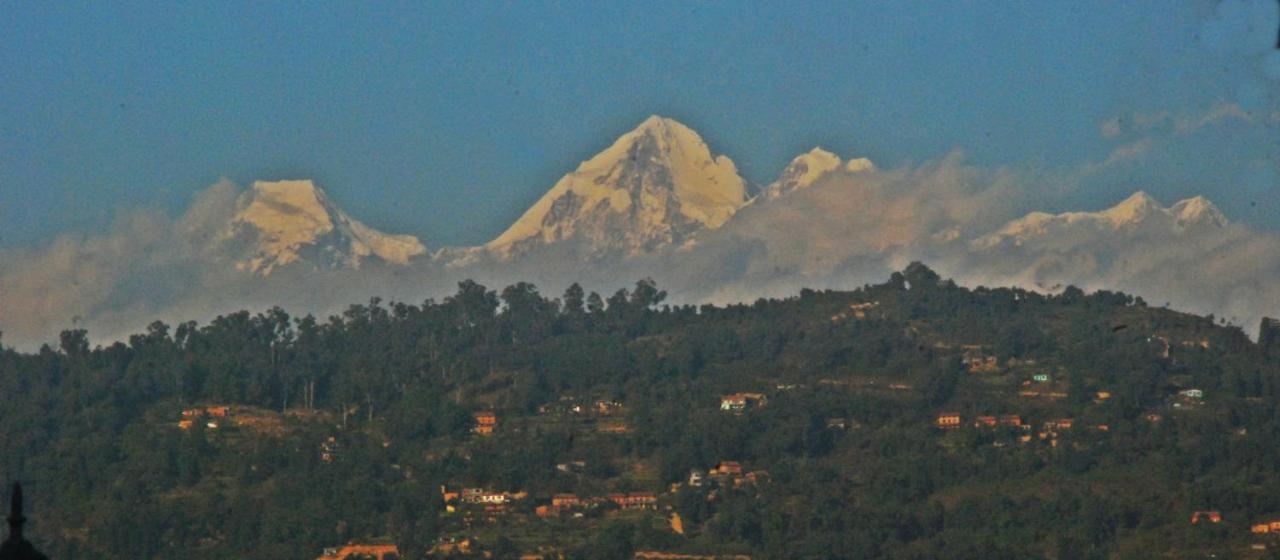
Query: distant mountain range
column 655, row 187
column 657, row 202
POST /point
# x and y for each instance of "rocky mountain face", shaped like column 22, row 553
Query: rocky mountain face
column 281, row 223
column 655, row 186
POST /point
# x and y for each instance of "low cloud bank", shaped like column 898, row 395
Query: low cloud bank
column 846, row 230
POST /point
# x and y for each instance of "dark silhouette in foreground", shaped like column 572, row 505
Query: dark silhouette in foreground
column 16, row 547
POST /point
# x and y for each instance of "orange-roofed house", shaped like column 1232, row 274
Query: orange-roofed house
column 1275, row 526
column 1206, row 516
column 1260, row 528
column 738, row 402
column 565, row 501
column 640, row 500
column 727, row 468
column 987, row 421
column 374, row 551
column 948, row 421
column 1011, row 420
column 485, row 422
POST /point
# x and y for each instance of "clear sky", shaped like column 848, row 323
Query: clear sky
column 447, row 120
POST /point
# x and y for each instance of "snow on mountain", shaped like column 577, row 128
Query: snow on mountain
column 278, row 223
column 1140, row 213
column 807, row 168
column 656, row 185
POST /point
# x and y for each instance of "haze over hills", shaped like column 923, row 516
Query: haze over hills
column 658, row 202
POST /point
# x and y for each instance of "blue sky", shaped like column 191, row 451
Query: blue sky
column 447, row 120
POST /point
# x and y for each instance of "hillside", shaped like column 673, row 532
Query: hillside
column 909, row 419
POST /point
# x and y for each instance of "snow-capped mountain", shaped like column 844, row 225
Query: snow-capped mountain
column 278, row 223
column 807, row 168
column 655, row 186
column 1140, row 214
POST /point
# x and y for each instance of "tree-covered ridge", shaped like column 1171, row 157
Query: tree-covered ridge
column 845, row 444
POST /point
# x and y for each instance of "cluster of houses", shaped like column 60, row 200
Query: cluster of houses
column 371, row 551
column 1265, row 528
column 1049, row 430
column 573, row 406
column 214, row 416
column 726, row 474
column 737, row 403
column 479, row 503
column 859, row 311
column 572, row 503
column 1188, row 398
column 208, row 415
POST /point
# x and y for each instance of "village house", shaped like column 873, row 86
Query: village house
column 1193, row 394
column 753, row 478
column 329, row 449
column 982, row 364
column 1208, row 516
column 211, row 411
column 727, row 468
column 486, row 422
column 739, row 402
column 208, row 414
column 947, row 421
column 562, row 501
column 1060, row 424
column 374, row 551
column 608, row 408
column 696, row 478
column 640, row 500
column 860, row 309
column 572, row 467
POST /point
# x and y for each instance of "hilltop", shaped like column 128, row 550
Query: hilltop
column 907, row 419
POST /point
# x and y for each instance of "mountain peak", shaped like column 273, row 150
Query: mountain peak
column 1137, row 213
column 281, row 222
column 655, row 185
column 1197, row 210
column 1132, row 210
column 807, row 168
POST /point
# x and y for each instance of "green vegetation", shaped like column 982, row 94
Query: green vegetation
column 855, row 465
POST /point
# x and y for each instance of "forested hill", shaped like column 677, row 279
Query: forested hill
column 910, row 419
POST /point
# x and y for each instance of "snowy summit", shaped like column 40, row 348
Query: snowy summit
column 656, row 185
column 278, row 223
column 1140, row 213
